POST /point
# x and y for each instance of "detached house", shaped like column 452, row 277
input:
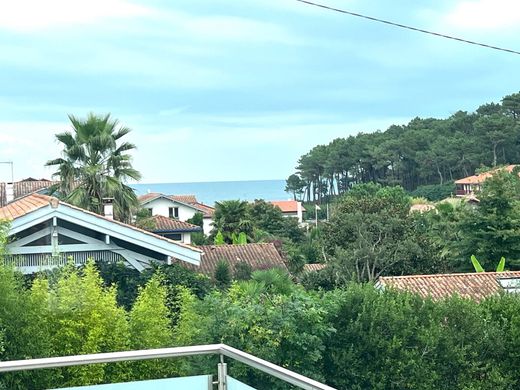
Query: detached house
column 179, row 207
column 468, row 186
column 45, row 232
column 290, row 208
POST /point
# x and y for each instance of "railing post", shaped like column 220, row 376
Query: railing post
column 222, row 374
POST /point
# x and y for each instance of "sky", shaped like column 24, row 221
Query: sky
column 239, row 90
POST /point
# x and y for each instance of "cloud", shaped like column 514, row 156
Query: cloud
column 485, row 14
column 34, row 15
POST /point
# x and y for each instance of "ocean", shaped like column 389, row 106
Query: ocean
column 211, row 192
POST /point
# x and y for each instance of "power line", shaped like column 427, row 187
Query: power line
column 408, row 27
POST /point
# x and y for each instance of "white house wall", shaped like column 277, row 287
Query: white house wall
column 207, row 225
column 161, row 206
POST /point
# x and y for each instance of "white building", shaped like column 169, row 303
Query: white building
column 180, row 207
column 45, row 232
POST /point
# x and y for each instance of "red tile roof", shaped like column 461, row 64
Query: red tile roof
column 471, row 285
column 163, row 223
column 23, row 206
column 24, row 187
column 34, row 202
column 313, row 267
column 287, row 206
column 207, row 211
column 479, row 179
column 259, row 256
column 190, row 199
column 149, row 196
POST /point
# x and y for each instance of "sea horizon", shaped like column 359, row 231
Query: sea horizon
column 209, row 192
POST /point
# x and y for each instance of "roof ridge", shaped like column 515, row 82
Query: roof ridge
column 448, row 275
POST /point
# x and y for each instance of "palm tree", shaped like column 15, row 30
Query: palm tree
column 232, row 217
column 95, row 165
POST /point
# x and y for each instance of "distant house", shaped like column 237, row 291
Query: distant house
column 181, row 207
column 173, row 229
column 13, row 191
column 468, row 186
column 260, row 256
column 475, row 286
column 45, row 232
column 290, row 208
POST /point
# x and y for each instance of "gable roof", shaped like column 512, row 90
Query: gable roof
column 187, row 200
column 469, row 285
column 259, row 256
column 287, row 206
column 481, row 178
column 35, row 208
column 165, row 224
column 24, row 187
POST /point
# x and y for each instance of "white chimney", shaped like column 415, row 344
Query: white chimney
column 9, row 192
column 108, row 208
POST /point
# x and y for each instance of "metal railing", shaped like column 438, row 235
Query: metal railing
column 213, row 349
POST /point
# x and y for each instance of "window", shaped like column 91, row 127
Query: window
column 511, row 285
column 150, row 212
column 173, row 212
column 174, row 236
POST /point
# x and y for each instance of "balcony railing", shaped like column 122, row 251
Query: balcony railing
column 223, row 381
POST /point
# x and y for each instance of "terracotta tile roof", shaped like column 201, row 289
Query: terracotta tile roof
column 207, row 211
column 23, row 206
column 163, row 223
column 479, row 179
column 24, row 187
column 313, row 267
column 34, row 202
column 287, row 206
column 258, row 256
column 471, row 285
column 147, row 197
column 190, row 199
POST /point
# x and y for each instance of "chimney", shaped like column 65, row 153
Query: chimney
column 108, row 208
column 9, row 192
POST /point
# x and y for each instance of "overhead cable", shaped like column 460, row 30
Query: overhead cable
column 408, row 27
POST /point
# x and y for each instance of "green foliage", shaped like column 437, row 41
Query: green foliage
column 434, row 192
column 95, row 165
column 197, row 219
column 371, row 233
column 501, row 265
column 222, row 274
column 243, row 271
column 420, row 155
column 232, row 217
column 492, row 230
column 219, row 238
column 478, row 268
column 150, row 328
column 198, row 238
column 476, row 264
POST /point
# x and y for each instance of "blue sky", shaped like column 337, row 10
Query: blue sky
column 237, row 90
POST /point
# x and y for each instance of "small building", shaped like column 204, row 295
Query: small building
column 477, row 286
column 290, row 208
column 180, row 207
column 259, row 256
column 45, row 232
column 173, row 229
column 470, row 185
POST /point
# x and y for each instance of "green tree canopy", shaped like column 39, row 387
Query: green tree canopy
column 95, row 164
